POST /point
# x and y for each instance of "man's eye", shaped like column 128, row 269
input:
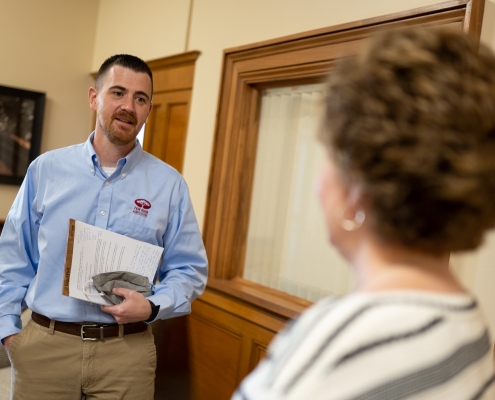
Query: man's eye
column 141, row 100
column 118, row 94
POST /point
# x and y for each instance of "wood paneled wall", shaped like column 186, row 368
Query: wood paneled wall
column 166, row 130
column 205, row 355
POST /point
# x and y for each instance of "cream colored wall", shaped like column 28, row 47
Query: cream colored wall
column 477, row 269
column 47, row 46
column 221, row 24
column 148, row 29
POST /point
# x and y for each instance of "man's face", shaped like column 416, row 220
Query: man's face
column 122, row 104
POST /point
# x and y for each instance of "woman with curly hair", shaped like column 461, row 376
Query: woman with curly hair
column 409, row 178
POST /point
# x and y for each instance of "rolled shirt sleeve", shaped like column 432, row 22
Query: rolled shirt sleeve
column 19, row 257
column 183, row 271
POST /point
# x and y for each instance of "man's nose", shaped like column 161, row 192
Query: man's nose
column 128, row 104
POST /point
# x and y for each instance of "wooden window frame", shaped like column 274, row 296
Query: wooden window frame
column 291, row 60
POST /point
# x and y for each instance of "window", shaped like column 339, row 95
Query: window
column 287, row 247
column 258, row 187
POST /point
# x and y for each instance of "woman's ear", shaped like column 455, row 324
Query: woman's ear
column 352, row 215
column 353, row 195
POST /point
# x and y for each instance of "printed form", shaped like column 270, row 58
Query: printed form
column 92, row 251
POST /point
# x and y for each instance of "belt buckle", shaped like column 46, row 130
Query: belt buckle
column 82, row 332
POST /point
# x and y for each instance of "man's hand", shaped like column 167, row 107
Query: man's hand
column 8, row 341
column 134, row 308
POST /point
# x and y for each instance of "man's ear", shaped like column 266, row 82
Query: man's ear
column 92, row 96
column 149, row 111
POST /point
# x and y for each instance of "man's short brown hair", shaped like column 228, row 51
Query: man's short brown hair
column 124, row 60
column 412, row 121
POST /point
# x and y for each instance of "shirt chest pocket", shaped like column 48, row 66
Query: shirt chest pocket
column 136, row 231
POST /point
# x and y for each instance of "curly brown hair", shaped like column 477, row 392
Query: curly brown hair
column 412, row 121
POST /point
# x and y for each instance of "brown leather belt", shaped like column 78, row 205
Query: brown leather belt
column 89, row 331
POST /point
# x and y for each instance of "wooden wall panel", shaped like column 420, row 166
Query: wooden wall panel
column 258, row 351
column 205, row 355
column 215, row 352
column 166, row 130
column 223, row 349
column 165, row 135
column 174, row 78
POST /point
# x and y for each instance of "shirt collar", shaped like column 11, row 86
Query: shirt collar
column 130, row 161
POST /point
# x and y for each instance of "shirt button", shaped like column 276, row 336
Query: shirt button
column 102, row 213
column 106, row 183
column 123, row 175
column 92, row 171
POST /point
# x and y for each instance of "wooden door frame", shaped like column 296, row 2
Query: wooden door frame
column 295, row 59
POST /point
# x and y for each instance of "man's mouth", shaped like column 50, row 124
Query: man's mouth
column 126, row 119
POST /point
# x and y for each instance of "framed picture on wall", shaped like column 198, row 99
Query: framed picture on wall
column 21, row 123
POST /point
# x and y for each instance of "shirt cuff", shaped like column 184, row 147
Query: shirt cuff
column 154, row 311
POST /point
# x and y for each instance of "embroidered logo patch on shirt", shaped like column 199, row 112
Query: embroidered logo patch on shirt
column 141, row 207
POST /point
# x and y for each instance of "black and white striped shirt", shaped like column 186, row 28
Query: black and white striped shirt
column 379, row 346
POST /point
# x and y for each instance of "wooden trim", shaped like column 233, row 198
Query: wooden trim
column 278, row 303
column 171, row 61
column 375, row 21
column 221, row 299
column 474, row 17
column 258, row 351
column 355, row 32
column 295, row 59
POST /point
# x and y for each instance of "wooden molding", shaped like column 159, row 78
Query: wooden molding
column 277, row 303
column 258, row 351
column 171, row 61
column 386, row 20
column 295, row 59
column 474, row 17
column 179, row 59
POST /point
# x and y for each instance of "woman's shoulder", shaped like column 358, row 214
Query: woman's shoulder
column 381, row 337
column 357, row 317
column 390, row 316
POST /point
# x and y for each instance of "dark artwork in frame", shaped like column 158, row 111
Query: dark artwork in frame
column 21, row 123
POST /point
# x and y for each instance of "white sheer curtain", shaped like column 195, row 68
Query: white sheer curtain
column 287, row 245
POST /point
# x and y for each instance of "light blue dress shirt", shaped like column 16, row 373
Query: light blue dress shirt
column 70, row 183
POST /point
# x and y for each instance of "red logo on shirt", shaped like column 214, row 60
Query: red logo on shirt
column 141, row 207
column 142, row 203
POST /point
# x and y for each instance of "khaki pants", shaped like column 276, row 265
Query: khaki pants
column 47, row 364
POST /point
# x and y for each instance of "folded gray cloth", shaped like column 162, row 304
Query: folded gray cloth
column 120, row 279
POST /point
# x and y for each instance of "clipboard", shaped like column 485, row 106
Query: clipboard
column 92, row 250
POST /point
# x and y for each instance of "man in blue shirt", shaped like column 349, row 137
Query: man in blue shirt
column 105, row 182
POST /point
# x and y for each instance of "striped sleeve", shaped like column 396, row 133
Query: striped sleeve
column 387, row 348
